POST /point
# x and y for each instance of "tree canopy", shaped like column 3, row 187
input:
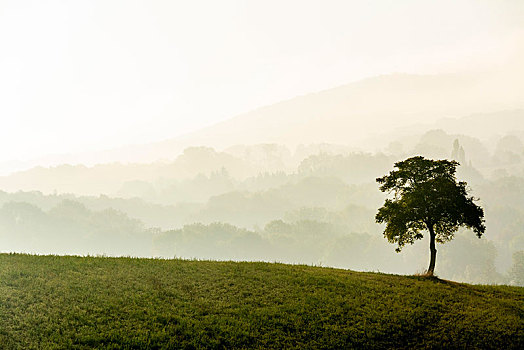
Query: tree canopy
column 427, row 196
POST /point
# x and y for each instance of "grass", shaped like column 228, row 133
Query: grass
column 126, row 303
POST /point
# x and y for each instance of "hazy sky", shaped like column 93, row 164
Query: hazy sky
column 83, row 75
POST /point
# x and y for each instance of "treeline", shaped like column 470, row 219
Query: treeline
column 71, row 228
column 239, row 207
column 317, row 236
column 201, row 172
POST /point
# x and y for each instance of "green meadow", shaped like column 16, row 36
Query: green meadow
column 63, row 302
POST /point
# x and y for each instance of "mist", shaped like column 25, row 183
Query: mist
column 174, row 131
column 312, row 205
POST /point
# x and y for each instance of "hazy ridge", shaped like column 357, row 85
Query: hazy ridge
column 358, row 115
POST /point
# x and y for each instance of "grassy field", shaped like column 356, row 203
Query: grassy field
column 125, row 303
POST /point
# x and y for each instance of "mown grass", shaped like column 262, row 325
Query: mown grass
column 126, row 303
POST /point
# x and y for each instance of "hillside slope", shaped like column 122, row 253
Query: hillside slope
column 355, row 112
column 79, row 303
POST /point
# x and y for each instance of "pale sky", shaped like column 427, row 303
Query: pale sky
column 90, row 75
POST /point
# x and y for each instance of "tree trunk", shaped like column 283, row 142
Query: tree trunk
column 432, row 251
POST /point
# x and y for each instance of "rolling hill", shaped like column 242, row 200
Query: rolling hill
column 127, row 303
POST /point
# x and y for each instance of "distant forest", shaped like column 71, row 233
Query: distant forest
column 314, row 205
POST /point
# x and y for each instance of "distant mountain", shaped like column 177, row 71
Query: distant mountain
column 360, row 111
column 359, row 114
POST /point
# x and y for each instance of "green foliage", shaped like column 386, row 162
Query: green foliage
column 50, row 302
column 426, row 195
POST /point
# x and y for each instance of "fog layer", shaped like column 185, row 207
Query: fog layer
column 313, row 204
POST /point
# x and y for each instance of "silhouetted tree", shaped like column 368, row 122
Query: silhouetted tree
column 426, row 196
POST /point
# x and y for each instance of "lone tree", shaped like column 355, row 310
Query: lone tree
column 426, row 196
